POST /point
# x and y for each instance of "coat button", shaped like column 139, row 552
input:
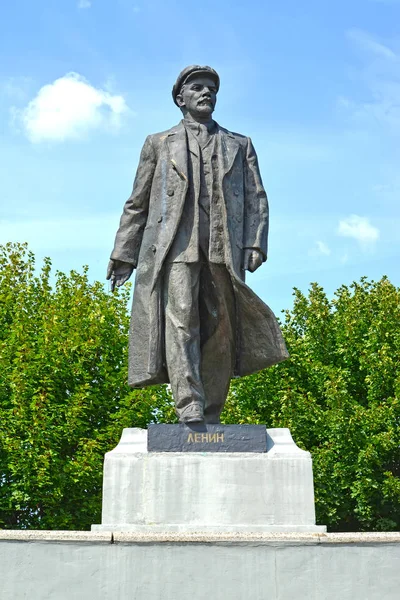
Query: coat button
column 153, row 248
column 170, row 192
column 159, row 219
column 236, row 193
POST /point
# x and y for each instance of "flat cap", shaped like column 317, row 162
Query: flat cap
column 188, row 72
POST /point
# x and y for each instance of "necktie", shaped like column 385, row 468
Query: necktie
column 203, row 135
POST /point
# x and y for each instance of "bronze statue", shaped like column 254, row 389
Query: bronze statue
column 196, row 220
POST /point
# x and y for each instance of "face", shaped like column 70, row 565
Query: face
column 198, row 96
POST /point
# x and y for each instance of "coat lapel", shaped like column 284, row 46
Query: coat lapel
column 177, row 146
column 229, row 147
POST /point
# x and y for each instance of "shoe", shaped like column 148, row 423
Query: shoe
column 192, row 413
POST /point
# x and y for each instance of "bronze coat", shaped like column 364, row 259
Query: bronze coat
column 148, row 226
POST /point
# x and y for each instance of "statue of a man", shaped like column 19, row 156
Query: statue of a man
column 196, row 220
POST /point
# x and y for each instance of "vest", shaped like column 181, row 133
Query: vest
column 200, row 230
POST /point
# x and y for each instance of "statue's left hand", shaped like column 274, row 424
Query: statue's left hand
column 252, row 259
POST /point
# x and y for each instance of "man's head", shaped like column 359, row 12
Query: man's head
column 195, row 92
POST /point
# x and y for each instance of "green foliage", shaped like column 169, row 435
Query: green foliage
column 339, row 395
column 64, row 397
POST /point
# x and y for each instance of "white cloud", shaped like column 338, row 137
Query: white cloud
column 84, row 4
column 379, row 76
column 69, row 108
column 368, row 43
column 344, row 102
column 360, row 229
column 320, row 249
column 323, row 248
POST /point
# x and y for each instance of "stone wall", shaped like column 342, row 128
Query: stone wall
column 112, row 566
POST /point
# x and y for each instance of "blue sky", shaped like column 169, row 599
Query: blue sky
column 315, row 84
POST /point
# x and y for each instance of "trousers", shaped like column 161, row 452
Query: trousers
column 199, row 309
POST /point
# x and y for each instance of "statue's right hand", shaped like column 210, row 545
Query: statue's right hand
column 118, row 272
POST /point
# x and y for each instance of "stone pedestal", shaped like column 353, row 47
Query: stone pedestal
column 208, row 491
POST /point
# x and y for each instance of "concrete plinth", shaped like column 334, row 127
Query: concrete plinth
column 60, row 565
column 215, row 492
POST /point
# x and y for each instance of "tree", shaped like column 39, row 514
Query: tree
column 64, row 397
column 339, row 395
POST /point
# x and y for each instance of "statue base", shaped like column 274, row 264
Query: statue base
column 232, row 492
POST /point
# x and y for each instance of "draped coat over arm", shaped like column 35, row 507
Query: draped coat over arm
column 148, row 226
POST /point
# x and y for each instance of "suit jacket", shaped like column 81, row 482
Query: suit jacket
column 149, row 224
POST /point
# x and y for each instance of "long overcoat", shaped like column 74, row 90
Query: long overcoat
column 148, row 226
